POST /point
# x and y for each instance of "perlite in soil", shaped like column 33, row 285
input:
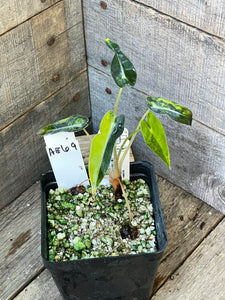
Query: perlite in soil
column 81, row 226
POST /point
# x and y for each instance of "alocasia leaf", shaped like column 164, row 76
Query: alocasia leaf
column 72, row 124
column 175, row 111
column 122, row 70
column 102, row 147
column 155, row 138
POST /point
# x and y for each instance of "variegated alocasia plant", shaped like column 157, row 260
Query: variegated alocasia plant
column 112, row 126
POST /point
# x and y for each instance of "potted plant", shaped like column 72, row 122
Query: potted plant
column 116, row 236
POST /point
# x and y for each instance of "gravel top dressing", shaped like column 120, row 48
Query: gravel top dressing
column 80, row 226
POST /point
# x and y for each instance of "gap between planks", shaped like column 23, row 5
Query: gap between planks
column 26, row 284
column 186, row 260
column 202, row 275
column 29, row 18
column 177, row 19
column 32, row 107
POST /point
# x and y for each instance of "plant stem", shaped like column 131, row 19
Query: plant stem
column 117, row 101
column 127, row 201
column 87, row 134
column 115, row 161
column 132, row 139
column 124, row 142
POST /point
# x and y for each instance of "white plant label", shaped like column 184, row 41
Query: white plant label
column 66, row 159
column 125, row 171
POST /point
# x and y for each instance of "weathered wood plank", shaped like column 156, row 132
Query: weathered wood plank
column 20, row 242
column 202, row 275
column 29, row 64
column 14, row 12
column 73, row 12
column 197, row 152
column 42, row 288
column 206, row 15
column 172, row 59
column 22, row 153
column 188, row 220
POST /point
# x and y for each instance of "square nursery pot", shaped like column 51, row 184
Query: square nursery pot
column 128, row 277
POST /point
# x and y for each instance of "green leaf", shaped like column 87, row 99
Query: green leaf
column 102, row 147
column 74, row 123
column 155, row 138
column 174, row 110
column 113, row 46
column 122, row 70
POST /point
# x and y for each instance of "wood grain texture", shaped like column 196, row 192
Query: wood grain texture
column 172, row 59
column 20, row 242
column 197, row 152
column 42, row 288
column 14, row 12
column 206, row 15
column 202, row 275
column 188, row 220
column 22, row 153
column 29, row 64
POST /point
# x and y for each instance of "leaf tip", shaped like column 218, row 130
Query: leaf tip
column 41, row 132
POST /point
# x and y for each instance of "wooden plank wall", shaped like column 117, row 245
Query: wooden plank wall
column 208, row 16
column 43, row 78
column 178, row 50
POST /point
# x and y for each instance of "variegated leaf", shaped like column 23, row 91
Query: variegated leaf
column 122, row 70
column 155, row 138
column 174, row 110
column 72, row 124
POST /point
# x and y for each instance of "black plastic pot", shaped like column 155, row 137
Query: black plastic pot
column 128, row 277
